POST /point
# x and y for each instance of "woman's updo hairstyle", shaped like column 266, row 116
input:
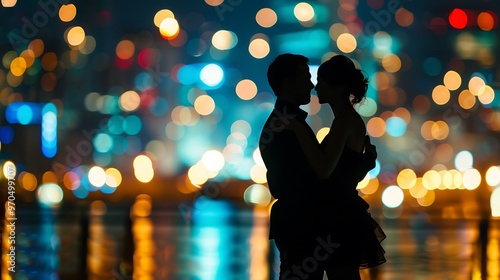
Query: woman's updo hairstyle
column 340, row 70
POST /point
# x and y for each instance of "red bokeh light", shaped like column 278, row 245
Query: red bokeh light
column 148, row 97
column 458, row 18
column 146, row 57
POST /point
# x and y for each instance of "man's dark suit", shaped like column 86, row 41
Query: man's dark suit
column 290, row 178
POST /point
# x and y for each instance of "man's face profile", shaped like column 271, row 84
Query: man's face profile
column 300, row 87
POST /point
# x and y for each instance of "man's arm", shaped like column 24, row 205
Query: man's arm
column 322, row 158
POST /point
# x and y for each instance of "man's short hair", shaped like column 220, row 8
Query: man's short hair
column 284, row 67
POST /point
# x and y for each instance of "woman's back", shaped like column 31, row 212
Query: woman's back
column 345, row 215
column 356, row 139
column 341, row 184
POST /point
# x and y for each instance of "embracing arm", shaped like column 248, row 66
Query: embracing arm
column 323, row 162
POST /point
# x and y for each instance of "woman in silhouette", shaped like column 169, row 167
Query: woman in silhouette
column 344, row 215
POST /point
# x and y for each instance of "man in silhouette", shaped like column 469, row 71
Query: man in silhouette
column 295, row 215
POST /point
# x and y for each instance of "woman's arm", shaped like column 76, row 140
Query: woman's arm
column 322, row 161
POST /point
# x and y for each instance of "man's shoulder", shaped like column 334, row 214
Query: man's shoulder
column 274, row 132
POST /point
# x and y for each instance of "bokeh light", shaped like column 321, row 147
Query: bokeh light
column 97, row 176
column 49, row 61
column 113, row 177
column 71, row 180
column 475, row 85
column 28, row 181
column 463, row 161
column 143, row 168
column 241, row 126
column 67, row 12
column 303, row 11
column 421, row 104
column 18, row 66
column 125, row 49
column 486, row 21
column 418, row 190
column 9, row 3
column 214, row 2
column 258, row 174
column 466, row 99
column 103, row 143
column 204, row 105
column 493, row 176
column 129, row 101
column 486, row 94
column 9, row 170
column 495, row 202
column 452, row 80
column 246, row 89
column 257, row 157
column 259, row 48
column 169, row 28
column 211, row 75
column 50, row 194
column 440, row 95
column 432, row 66
column 440, row 130
column 213, row 160
column 406, row 178
column 392, row 196
column 428, row 199
column 75, row 36
column 224, row 40
column 346, row 43
column 458, row 18
column 395, row 126
column 431, row 180
column 132, row 125
column 367, row 107
column 257, row 194
column 404, row 17
column 266, row 17
column 161, row 15
column 371, row 186
column 49, row 177
column 471, row 179
column 29, row 56
column 391, row 63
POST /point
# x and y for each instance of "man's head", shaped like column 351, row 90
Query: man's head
column 289, row 77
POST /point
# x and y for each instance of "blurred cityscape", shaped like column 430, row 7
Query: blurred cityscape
column 129, row 133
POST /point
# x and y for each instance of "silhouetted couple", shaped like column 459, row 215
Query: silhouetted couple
column 319, row 223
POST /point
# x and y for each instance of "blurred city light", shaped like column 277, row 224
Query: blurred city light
column 392, row 196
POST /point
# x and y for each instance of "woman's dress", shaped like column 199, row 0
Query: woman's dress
column 346, row 218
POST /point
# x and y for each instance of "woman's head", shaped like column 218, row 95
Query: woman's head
column 341, row 75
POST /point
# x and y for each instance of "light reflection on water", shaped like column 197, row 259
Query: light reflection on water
column 36, row 244
column 219, row 241
column 216, row 239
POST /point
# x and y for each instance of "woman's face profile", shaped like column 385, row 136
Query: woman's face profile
column 321, row 90
column 328, row 93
